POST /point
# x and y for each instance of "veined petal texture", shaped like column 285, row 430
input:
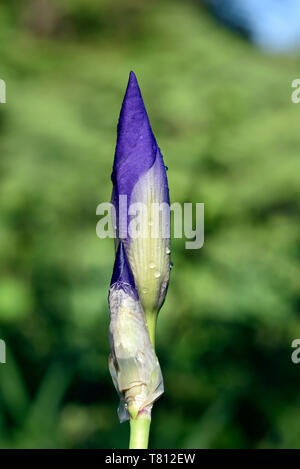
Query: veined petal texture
column 140, row 174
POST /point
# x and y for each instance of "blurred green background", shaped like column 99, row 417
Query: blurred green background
column 223, row 117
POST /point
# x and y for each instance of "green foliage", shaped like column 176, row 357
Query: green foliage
column 222, row 114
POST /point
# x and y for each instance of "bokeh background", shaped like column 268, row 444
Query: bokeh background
column 220, row 106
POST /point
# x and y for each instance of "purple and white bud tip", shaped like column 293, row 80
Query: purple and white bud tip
column 139, row 174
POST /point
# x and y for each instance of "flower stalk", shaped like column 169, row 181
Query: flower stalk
column 142, row 266
column 139, row 432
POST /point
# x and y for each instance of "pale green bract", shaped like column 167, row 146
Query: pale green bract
column 149, row 253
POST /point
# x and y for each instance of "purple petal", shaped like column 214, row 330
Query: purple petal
column 137, row 149
column 122, row 274
column 136, row 146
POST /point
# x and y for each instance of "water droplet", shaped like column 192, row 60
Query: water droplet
column 150, row 223
column 166, row 168
column 157, row 274
column 140, row 357
column 171, row 265
column 152, row 265
column 168, row 250
column 145, row 290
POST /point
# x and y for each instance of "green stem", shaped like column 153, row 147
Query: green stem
column 139, row 432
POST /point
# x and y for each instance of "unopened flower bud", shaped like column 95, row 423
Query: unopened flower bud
column 139, row 174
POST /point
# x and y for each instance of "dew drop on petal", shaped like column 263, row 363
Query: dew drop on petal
column 140, row 357
column 166, row 168
column 171, row 265
column 145, row 290
column 168, row 250
column 152, row 265
column 157, row 274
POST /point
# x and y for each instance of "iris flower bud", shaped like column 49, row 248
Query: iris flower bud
column 139, row 174
column 133, row 364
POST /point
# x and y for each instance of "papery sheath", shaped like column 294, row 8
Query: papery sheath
column 133, row 364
